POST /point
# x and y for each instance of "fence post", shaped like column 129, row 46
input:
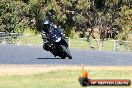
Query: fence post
column 114, row 48
column 2, row 34
column 98, row 43
column 4, row 41
column 29, row 40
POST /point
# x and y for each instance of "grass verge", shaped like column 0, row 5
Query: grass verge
column 64, row 78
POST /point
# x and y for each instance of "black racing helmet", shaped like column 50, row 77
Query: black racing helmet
column 46, row 24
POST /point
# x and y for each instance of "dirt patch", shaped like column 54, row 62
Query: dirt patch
column 34, row 69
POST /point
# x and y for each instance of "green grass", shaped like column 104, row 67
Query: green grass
column 82, row 43
column 74, row 43
column 30, row 40
column 60, row 79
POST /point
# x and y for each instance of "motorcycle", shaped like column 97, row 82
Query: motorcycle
column 57, row 44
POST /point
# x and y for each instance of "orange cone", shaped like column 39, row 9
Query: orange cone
column 86, row 74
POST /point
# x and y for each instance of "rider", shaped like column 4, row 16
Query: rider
column 47, row 26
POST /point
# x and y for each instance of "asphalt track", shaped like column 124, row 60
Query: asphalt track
column 12, row 54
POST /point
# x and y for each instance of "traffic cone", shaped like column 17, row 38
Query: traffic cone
column 82, row 75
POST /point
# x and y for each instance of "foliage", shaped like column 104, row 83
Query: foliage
column 124, row 20
column 12, row 17
column 71, row 15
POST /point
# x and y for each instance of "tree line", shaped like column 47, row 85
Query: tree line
column 78, row 15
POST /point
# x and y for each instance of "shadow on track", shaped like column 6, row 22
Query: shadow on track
column 49, row 58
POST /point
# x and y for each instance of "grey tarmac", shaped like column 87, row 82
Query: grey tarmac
column 13, row 54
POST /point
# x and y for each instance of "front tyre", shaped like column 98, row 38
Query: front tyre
column 63, row 56
column 66, row 51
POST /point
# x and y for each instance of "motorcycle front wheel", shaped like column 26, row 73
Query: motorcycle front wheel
column 66, row 51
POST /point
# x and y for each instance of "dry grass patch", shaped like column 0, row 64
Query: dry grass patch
column 35, row 69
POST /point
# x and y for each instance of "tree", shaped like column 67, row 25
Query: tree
column 78, row 15
column 12, row 16
column 125, row 21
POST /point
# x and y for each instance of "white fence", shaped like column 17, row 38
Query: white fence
column 26, row 39
column 8, row 38
column 95, row 44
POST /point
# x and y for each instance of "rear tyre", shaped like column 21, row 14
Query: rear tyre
column 66, row 51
